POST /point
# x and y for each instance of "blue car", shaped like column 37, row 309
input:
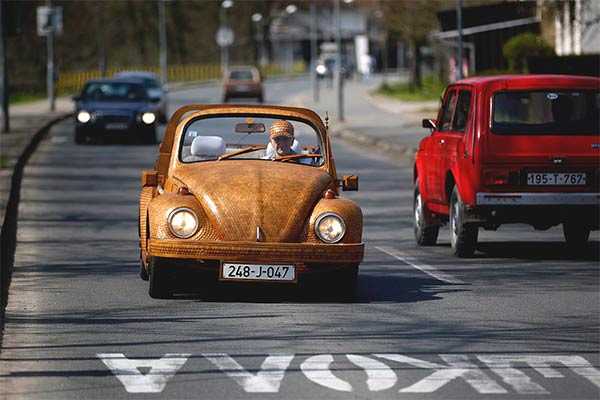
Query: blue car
column 108, row 109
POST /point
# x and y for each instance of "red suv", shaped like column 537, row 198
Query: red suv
column 510, row 149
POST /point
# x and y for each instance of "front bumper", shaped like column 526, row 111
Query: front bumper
column 562, row 199
column 257, row 252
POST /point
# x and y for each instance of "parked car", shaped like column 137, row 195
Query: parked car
column 114, row 109
column 156, row 91
column 242, row 81
column 221, row 202
column 510, row 149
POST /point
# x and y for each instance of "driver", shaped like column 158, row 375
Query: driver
column 281, row 136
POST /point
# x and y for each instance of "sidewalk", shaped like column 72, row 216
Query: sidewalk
column 390, row 125
column 25, row 119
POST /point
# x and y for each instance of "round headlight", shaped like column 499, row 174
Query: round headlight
column 83, row 117
column 321, row 69
column 330, row 227
column 183, row 223
column 148, row 118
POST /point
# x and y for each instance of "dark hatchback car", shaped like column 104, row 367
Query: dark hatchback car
column 109, row 109
column 155, row 90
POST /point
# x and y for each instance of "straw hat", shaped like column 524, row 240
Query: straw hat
column 281, row 128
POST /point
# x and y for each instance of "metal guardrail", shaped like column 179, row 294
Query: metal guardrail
column 72, row 82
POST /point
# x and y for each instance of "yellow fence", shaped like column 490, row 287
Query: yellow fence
column 72, row 82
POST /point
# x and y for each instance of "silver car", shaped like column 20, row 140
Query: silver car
column 155, row 90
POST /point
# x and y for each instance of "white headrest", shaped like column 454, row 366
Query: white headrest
column 270, row 153
column 208, row 146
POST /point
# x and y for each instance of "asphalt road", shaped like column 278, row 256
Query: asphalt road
column 520, row 320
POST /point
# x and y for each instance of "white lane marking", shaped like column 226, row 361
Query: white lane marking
column 458, row 366
column 126, row 370
column 428, row 269
column 316, row 369
column 267, row 380
column 503, row 365
column 379, row 376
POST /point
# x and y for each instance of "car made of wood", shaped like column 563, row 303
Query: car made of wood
column 223, row 202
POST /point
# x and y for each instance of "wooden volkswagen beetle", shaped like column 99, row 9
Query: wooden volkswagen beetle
column 226, row 198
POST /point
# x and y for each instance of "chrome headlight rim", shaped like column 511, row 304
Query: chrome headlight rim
column 83, row 116
column 321, row 217
column 172, row 215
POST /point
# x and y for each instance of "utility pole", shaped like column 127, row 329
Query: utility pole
column 459, row 71
column 163, row 42
column 3, row 80
column 50, row 61
column 101, row 53
column 338, row 62
column 313, row 50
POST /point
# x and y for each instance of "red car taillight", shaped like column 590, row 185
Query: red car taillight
column 498, row 177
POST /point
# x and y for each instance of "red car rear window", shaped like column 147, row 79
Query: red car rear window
column 546, row 112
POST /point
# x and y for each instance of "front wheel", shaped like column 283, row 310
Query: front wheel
column 425, row 234
column 463, row 235
column 160, row 285
column 346, row 284
column 576, row 233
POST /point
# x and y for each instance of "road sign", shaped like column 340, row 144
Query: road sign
column 49, row 19
column 224, row 37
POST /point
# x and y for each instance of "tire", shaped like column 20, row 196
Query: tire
column 150, row 137
column 160, row 285
column 425, row 234
column 346, row 284
column 79, row 138
column 143, row 273
column 463, row 236
column 576, row 233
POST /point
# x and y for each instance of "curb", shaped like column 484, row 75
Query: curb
column 8, row 234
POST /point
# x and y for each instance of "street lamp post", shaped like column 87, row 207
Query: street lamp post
column 164, row 76
column 338, row 60
column 313, row 50
column 224, row 32
column 257, row 18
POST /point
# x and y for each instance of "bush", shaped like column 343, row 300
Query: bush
column 519, row 47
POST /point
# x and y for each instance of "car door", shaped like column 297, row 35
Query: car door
column 437, row 149
column 454, row 139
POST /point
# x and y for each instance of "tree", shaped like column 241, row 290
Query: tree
column 519, row 47
column 413, row 20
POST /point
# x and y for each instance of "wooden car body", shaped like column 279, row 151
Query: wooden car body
column 249, row 210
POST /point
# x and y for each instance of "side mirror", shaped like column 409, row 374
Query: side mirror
column 74, row 97
column 349, row 183
column 149, row 178
column 429, row 123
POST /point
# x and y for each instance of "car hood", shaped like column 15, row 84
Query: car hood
column 115, row 106
column 239, row 196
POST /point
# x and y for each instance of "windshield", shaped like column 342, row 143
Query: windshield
column 548, row 112
column 114, row 91
column 241, row 75
column 249, row 137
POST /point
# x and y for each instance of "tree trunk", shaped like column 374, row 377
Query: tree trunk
column 415, row 67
